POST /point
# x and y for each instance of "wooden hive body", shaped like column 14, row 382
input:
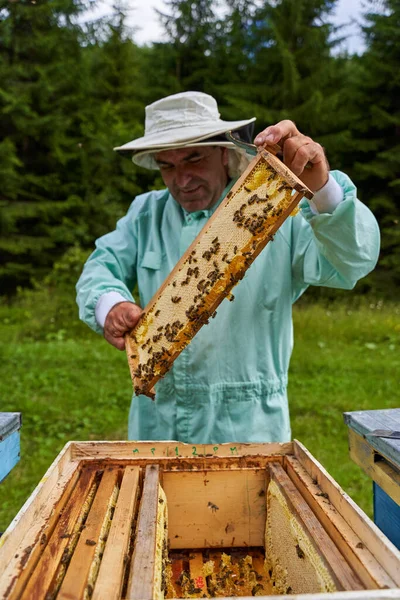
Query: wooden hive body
column 256, row 206
column 234, row 520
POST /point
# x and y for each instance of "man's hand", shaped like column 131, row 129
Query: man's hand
column 121, row 319
column 298, row 150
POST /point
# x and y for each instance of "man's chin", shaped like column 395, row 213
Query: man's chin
column 194, row 202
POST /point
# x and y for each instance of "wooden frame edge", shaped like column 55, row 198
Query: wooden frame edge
column 386, row 553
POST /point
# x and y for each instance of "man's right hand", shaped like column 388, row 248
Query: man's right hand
column 121, row 319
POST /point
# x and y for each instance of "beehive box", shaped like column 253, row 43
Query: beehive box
column 152, row 520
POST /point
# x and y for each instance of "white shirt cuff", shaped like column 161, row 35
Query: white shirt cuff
column 327, row 198
column 105, row 304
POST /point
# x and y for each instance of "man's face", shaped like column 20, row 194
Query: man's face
column 196, row 177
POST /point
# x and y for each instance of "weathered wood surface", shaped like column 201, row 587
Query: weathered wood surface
column 379, row 457
column 383, row 550
column 374, row 465
column 357, row 595
column 19, row 547
column 57, row 545
column 10, row 424
column 174, row 450
column 365, row 422
column 142, row 574
column 216, row 509
column 110, row 577
column 245, row 221
column 76, row 579
column 359, row 557
column 342, row 574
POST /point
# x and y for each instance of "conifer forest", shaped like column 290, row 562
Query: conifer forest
column 73, row 86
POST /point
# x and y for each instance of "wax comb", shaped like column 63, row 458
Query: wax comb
column 246, row 220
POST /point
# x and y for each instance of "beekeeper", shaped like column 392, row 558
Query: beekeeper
column 230, row 382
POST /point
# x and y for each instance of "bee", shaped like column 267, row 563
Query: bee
column 157, row 313
column 231, row 297
column 213, row 507
column 215, row 241
column 247, row 189
column 299, row 551
column 225, row 256
column 174, row 283
column 235, row 250
column 160, row 328
column 176, row 299
column 252, row 199
column 133, row 355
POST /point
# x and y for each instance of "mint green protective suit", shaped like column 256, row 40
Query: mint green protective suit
column 229, row 384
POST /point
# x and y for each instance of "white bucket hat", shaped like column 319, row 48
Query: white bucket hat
column 182, row 120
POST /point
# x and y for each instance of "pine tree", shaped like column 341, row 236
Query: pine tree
column 40, row 81
column 286, row 69
column 68, row 95
column 377, row 131
column 190, row 25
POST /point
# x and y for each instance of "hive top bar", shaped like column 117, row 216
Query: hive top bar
column 246, row 220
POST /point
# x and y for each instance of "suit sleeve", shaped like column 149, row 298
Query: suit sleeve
column 110, row 268
column 334, row 250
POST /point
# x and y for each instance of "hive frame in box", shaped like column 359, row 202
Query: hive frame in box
column 245, row 221
column 35, row 541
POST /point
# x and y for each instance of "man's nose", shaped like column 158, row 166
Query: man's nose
column 183, row 176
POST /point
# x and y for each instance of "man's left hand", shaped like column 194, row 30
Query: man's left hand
column 298, row 151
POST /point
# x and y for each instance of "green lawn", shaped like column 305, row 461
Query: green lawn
column 70, row 384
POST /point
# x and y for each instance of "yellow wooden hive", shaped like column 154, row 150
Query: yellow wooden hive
column 246, row 220
column 155, row 520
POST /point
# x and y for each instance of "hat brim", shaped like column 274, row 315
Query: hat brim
column 181, row 136
column 147, row 160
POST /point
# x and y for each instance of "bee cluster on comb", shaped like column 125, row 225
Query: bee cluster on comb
column 258, row 203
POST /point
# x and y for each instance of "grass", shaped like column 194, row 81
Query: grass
column 70, row 384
